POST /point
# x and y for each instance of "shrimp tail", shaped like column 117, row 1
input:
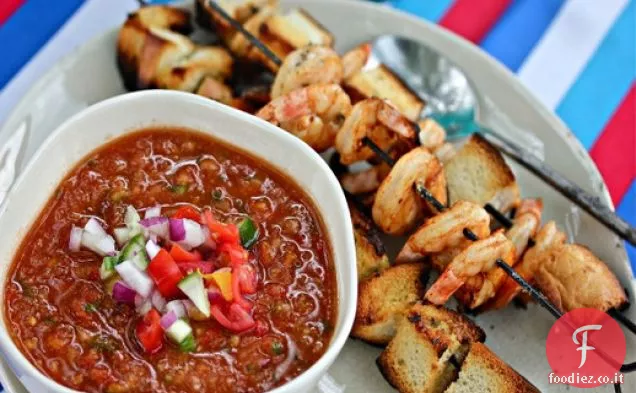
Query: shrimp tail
column 443, row 288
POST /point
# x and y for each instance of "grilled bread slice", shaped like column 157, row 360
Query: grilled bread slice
column 284, row 33
column 428, row 349
column 383, row 298
column 371, row 255
column 571, row 276
column 478, row 173
column 151, row 41
column 381, row 82
column 484, row 372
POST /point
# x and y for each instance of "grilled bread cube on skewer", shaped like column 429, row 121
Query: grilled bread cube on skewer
column 382, row 83
column 383, row 298
column 428, row 349
column 478, row 173
column 371, row 255
column 483, row 371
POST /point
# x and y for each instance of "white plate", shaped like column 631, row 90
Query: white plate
column 89, row 75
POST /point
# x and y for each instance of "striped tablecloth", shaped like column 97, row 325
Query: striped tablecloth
column 577, row 56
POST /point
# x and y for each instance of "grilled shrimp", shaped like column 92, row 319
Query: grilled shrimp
column 354, row 60
column 376, row 119
column 397, row 206
column 365, row 181
column 525, row 225
column 432, row 135
column 314, row 113
column 547, row 238
column 306, row 66
column 477, row 258
column 445, row 231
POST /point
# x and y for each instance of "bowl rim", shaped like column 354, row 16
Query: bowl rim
column 346, row 304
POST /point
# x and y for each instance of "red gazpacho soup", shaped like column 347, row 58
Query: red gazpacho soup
column 168, row 261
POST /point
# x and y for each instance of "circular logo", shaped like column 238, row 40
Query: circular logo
column 585, row 349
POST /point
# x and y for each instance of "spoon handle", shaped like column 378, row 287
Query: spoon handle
column 591, row 204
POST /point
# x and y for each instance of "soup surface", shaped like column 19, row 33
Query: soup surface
column 61, row 308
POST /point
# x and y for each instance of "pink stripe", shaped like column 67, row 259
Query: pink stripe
column 7, row 8
column 614, row 152
column 473, row 19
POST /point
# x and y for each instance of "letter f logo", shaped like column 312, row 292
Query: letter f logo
column 584, row 347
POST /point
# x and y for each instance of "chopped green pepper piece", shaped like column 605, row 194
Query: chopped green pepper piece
column 188, row 344
column 179, row 189
column 277, row 348
column 248, row 232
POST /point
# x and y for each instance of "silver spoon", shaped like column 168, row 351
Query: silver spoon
column 453, row 102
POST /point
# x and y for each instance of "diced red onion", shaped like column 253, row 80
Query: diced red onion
column 177, row 307
column 98, row 243
column 215, row 297
column 135, row 278
column 153, row 212
column 157, row 225
column 177, row 230
column 93, row 226
column 123, row 293
column 142, row 305
column 75, row 240
column 168, row 319
column 158, row 301
column 187, row 233
column 152, row 249
column 122, row 235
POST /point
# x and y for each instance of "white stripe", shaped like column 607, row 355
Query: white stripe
column 93, row 17
column 567, row 46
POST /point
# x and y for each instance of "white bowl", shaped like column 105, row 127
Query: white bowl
column 90, row 128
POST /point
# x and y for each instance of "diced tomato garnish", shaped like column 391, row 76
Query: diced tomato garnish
column 166, row 274
column 217, row 299
column 204, row 267
column 236, row 253
column 149, row 331
column 220, row 232
column 237, row 320
column 180, row 255
column 237, row 295
column 187, row 212
column 246, row 277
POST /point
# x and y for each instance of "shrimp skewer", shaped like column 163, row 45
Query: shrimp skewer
column 445, row 231
column 314, row 113
column 397, row 207
column 377, row 120
column 365, row 181
column 354, row 60
column 479, row 257
column 306, row 66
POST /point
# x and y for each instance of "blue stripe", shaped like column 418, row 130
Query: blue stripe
column 627, row 210
column 519, row 29
column 28, row 29
column 432, row 10
column 591, row 101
